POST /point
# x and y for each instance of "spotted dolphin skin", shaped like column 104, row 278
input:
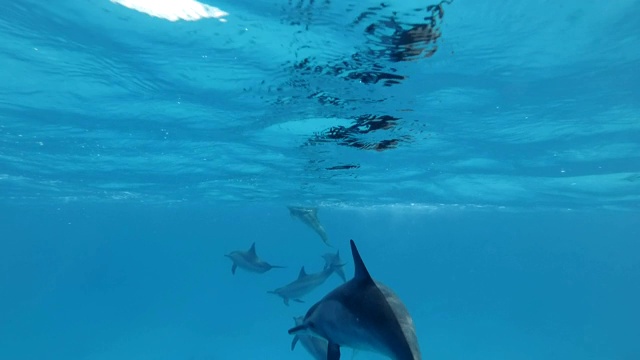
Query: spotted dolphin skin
column 362, row 314
column 249, row 260
column 315, row 346
column 304, row 284
column 309, row 216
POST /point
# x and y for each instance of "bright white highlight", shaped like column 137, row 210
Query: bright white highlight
column 174, row 10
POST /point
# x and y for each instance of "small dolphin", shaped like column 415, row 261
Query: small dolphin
column 362, row 314
column 304, row 284
column 334, row 259
column 249, row 261
column 316, row 346
column 309, row 216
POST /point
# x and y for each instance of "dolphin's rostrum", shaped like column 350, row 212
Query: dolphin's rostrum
column 249, row 261
column 314, row 345
column 362, row 314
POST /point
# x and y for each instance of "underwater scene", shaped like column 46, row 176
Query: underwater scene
column 319, row 179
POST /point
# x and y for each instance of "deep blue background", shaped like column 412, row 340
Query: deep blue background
column 134, row 282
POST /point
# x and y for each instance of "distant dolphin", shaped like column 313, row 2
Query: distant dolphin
column 314, row 345
column 362, row 314
column 309, row 216
column 304, row 284
column 249, row 261
column 334, row 259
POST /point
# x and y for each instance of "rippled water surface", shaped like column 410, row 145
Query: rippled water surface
column 525, row 105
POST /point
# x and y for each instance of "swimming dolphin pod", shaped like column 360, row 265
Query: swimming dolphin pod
column 362, row 314
column 309, row 216
column 249, row 261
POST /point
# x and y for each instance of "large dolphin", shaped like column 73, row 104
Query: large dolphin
column 309, row 216
column 362, row 314
column 249, row 261
column 334, row 259
column 314, row 345
column 304, row 284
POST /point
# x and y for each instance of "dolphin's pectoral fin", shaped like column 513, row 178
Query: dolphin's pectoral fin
column 286, row 301
column 298, row 300
column 294, row 342
column 297, row 329
column 333, row 352
column 233, row 268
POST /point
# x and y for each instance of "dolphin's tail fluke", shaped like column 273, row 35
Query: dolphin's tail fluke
column 334, row 263
column 340, row 272
column 331, row 260
column 335, row 266
column 338, row 269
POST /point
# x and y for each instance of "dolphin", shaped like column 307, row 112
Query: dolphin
column 304, row 284
column 363, row 314
column 309, row 216
column 315, row 346
column 334, row 259
column 249, row 261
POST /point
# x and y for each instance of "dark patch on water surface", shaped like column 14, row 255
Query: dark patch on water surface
column 390, row 37
column 343, row 167
column 356, row 67
column 354, row 135
column 402, row 41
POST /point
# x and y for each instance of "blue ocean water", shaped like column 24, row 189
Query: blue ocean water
column 484, row 156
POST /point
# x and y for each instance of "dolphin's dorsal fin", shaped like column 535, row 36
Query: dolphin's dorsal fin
column 361, row 272
column 252, row 249
column 302, row 273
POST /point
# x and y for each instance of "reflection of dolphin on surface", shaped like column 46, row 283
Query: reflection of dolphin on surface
column 316, row 346
column 334, row 259
column 362, row 314
column 249, row 261
column 304, row 284
column 309, row 216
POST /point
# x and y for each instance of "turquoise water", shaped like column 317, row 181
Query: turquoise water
column 484, row 156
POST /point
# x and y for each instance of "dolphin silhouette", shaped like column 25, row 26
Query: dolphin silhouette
column 362, row 314
column 314, row 345
column 334, row 259
column 309, row 216
column 304, row 284
column 249, row 261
